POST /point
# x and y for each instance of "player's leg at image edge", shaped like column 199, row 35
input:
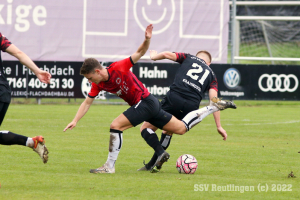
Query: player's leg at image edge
column 36, row 143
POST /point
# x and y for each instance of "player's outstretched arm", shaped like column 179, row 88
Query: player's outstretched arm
column 163, row 55
column 144, row 46
column 213, row 93
column 84, row 107
column 42, row 75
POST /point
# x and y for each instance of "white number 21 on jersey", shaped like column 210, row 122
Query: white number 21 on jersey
column 198, row 69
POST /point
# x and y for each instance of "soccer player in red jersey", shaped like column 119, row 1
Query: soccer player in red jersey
column 6, row 137
column 118, row 79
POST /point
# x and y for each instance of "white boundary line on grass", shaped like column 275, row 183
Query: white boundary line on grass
column 256, row 124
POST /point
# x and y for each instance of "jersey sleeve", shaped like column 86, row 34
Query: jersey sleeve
column 94, row 90
column 123, row 65
column 5, row 43
column 214, row 83
column 180, row 57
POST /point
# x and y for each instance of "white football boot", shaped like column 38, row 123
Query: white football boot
column 40, row 148
column 222, row 104
column 105, row 169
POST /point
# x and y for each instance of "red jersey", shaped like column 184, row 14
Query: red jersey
column 4, row 42
column 5, row 90
column 122, row 82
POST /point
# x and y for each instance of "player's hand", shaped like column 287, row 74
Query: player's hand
column 70, row 126
column 222, row 133
column 148, row 32
column 153, row 53
column 44, row 76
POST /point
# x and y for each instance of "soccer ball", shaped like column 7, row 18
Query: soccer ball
column 186, row 164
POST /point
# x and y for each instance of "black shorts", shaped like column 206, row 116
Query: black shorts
column 177, row 105
column 3, row 109
column 148, row 109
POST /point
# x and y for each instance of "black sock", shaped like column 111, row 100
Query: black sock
column 152, row 140
column 165, row 142
column 9, row 138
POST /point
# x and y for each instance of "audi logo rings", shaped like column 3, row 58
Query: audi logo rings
column 278, row 82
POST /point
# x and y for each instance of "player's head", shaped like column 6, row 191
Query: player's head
column 204, row 55
column 92, row 70
column 90, row 65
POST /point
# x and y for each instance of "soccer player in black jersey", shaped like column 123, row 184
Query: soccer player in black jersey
column 193, row 78
column 6, row 137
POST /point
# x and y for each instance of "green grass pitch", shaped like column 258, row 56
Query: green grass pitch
column 259, row 154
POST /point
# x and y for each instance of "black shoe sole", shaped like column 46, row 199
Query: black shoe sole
column 160, row 161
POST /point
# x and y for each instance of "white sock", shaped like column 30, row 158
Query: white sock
column 115, row 144
column 29, row 142
column 166, row 141
column 196, row 116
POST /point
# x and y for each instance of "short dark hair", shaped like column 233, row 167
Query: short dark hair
column 206, row 52
column 89, row 65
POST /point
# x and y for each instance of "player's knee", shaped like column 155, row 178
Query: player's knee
column 142, row 128
column 115, row 126
column 181, row 130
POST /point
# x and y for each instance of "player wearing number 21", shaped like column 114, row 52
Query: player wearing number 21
column 193, row 78
column 118, row 79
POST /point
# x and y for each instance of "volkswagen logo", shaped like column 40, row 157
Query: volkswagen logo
column 232, row 78
column 278, row 83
